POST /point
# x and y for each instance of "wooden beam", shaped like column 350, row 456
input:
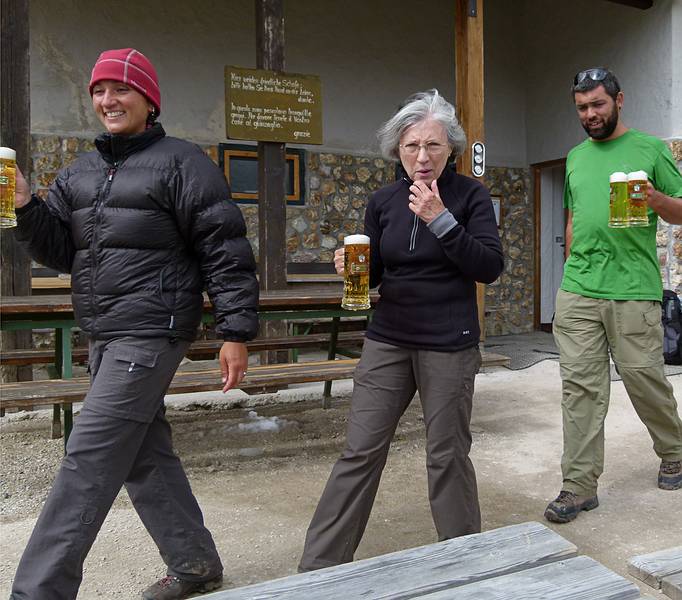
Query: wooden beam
column 652, row 568
column 271, row 159
column 469, row 95
column 641, row 4
column 448, row 567
column 272, row 208
column 15, row 132
column 671, row 586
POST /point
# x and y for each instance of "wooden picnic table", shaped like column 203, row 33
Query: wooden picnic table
column 292, row 304
column 516, row 562
column 55, row 311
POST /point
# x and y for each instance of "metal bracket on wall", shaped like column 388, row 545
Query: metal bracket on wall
column 472, row 12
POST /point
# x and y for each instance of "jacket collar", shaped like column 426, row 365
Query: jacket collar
column 115, row 148
column 447, row 175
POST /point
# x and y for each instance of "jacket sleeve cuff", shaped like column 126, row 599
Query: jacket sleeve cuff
column 443, row 223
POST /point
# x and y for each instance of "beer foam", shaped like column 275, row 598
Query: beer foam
column 8, row 153
column 356, row 239
column 638, row 176
column 618, row 177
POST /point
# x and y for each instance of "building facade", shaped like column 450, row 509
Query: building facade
column 370, row 56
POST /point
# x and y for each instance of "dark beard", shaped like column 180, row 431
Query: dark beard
column 607, row 129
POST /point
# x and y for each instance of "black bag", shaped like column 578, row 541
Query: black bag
column 672, row 328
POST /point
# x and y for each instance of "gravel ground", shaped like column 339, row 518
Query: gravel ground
column 258, row 471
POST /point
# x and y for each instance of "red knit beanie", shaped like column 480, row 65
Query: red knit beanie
column 130, row 67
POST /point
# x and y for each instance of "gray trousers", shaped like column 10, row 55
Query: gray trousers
column 120, row 437
column 384, row 384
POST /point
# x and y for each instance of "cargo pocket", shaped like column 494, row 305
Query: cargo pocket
column 643, row 335
column 135, row 357
column 127, row 384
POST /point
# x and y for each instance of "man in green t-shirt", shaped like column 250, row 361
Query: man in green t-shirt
column 609, row 301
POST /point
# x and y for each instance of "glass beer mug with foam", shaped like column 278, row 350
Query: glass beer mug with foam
column 618, row 201
column 637, row 184
column 8, row 169
column 355, row 272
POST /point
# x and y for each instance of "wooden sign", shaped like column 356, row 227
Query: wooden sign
column 270, row 106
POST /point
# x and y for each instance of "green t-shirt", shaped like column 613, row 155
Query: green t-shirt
column 618, row 264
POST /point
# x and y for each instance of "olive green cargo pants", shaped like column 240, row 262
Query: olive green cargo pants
column 585, row 330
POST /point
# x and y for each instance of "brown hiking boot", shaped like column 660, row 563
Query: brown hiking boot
column 670, row 475
column 172, row 588
column 568, row 505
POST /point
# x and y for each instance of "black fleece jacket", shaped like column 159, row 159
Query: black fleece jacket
column 144, row 225
column 428, row 284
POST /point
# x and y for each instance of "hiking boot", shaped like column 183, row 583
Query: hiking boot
column 172, row 588
column 670, row 475
column 568, row 505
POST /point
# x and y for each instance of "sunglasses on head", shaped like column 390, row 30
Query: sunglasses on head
column 594, row 74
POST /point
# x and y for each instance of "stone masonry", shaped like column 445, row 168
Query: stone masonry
column 337, row 187
column 669, row 239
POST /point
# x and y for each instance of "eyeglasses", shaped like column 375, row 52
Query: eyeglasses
column 432, row 148
column 597, row 74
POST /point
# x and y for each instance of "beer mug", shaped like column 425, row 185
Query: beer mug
column 8, row 180
column 637, row 184
column 618, row 200
column 355, row 272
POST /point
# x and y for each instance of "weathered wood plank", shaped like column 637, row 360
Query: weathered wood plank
column 49, row 391
column 206, row 347
column 671, row 586
column 419, row 571
column 580, row 578
column 491, row 359
column 15, row 132
column 653, row 567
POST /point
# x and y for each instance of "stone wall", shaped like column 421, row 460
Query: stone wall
column 337, row 187
column 669, row 240
column 509, row 301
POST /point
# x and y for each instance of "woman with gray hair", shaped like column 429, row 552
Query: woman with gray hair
column 432, row 237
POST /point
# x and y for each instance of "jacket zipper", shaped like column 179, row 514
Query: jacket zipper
column 413, row 235
column 415, row 223
column 95, row 237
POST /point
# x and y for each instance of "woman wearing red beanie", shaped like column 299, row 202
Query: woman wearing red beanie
column 144, row 224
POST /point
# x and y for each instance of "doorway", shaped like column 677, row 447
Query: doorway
column 550, row 243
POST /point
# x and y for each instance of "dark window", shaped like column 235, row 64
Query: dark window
column 239, row 162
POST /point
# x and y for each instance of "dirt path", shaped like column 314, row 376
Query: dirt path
column 258, row 487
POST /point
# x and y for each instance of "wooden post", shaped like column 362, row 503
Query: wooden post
column 272, row 210
column 15, row 131
column 271, row 162
column 469, row 95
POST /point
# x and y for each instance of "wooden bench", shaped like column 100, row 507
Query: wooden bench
column 202, row 348
column 662, row 569
column 259, row 379
column 527, row 560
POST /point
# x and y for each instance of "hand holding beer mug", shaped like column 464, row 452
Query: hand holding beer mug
column 355, row 272
column 8, row 168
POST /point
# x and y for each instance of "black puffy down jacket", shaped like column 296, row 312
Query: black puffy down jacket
column 144, row 225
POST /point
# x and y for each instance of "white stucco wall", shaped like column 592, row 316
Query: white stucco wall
column 676, row 91
column 505, row 95
column 564, row 37
column 369, row 55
